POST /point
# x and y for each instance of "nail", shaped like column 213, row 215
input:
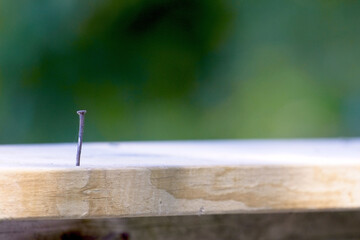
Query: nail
column 81, row 131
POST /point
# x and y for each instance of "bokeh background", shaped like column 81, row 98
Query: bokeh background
column 178, row 69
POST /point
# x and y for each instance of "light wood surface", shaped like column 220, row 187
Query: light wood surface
column 178, row 178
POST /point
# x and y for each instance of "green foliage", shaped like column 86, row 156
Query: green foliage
column 178, row 69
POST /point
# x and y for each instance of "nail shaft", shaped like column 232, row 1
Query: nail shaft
column 81, row 132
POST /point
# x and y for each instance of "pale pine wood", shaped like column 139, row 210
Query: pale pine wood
column 178, row 178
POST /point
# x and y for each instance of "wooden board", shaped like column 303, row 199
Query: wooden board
column 284, row 226
column 178, row 178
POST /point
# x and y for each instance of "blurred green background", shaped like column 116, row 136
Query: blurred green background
column 178, row 69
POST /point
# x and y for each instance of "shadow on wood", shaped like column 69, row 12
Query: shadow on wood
column 314, row 225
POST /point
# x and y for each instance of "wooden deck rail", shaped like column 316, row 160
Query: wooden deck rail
column 129, row 179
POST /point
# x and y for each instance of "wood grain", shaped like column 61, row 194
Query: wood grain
column 127, row 189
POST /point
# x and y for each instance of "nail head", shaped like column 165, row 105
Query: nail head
column 81, row 112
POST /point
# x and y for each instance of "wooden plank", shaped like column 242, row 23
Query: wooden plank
column 178, row 178
column 284, row 226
